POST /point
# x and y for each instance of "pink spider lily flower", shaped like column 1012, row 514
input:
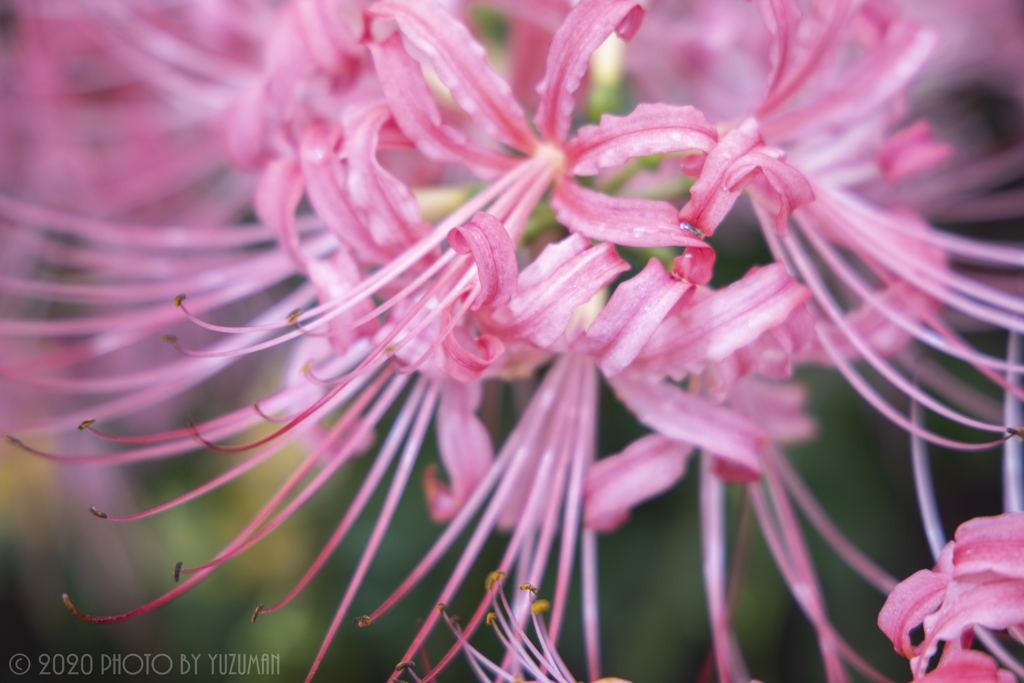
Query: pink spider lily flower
column 976, row 581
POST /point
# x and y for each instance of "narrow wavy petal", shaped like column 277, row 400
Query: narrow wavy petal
column 684, row 417
column 615, row 485
column 588, row 25
column 631, row 222
column 465, row 447
column 723, row 322
column 461, row 64
column 913, row 599
column 419, row 117
column 731, row 166
column 540, row 313
column 632, row 315
column 990, row 544
column 487, row 240
column 650, row 129
column 277, row 196
column 382, row 201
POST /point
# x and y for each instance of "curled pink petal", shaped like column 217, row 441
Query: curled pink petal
column 912, row 600
column 418, row 115
column 691, row 419
column 990, row 544
column 540, row 313
column 461, row 64
column 695, row 265
column 969, row 666
column 615, row 485
column 588, row 25
column 277, row 196
column 650, row 129
column 911, row 151
column 463, row 357
column 382, row 201
column 465, row 448
column 731, row 166
column 723, row 322
column 631, row 316
column 631, row 222
column 486, row 238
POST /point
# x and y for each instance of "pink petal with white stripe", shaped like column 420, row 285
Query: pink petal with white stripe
column 969, row 666
column 334, row 278
column 911, row 151
column 633, row 313
column 382, row 201
column 631, row 222
column 326, row 178
column 417, row 113
column 487, row 240
column 913, row 599
column 540, row 312
column 723, row 322
column 277, row 196
column 990, row 544
column 690, row 419
column 735, row 162
column 650, row 129
column 588, row 25
column 433, row 35
column 463, row 357
column 465, row 448
column 615, row 485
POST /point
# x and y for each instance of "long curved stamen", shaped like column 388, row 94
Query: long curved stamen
column 1013, row 449
column 401, row 478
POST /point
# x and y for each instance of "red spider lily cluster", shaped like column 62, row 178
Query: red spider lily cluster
column 420, row 236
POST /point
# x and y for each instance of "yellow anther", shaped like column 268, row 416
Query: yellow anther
column 528, row 587
column 307, row 368
column 178, row 299
column 441, row 607
column 97, row 513
column 259, row 610
column 402, row 666
column 539, row 606
column 491, row 618
column 294, row 315
column 87, row 423
column 491, row 579
column 362, row 622
column 169, row 338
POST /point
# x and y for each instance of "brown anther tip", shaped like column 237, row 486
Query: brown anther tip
column 173, row 339
column 362, row 622
column 456, row 622
column 294, row 315
column 491, row 618
column 1017, row 432
column 97, row 513
column 491, row 579
column 15, row 441
column 539, row 606
column 441, row 607
column 402, row 666
column 177, row 575
column 86, row 424
column 528, row 587
column 178, row 299
column 259, row 610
